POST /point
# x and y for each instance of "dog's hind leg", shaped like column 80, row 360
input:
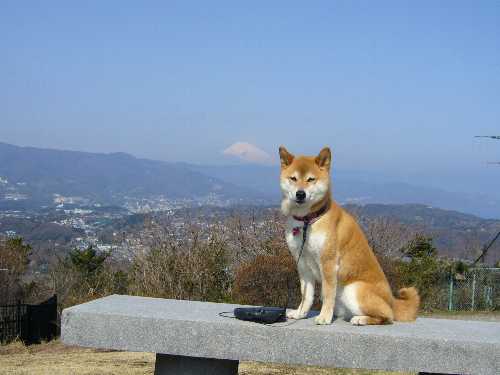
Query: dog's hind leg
column 373, row 309
column 364, row 320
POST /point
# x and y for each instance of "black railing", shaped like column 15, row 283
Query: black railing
column 30, row 323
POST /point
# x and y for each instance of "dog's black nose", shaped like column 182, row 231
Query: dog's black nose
column 300, row 195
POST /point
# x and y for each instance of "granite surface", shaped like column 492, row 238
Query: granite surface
column 196, row 329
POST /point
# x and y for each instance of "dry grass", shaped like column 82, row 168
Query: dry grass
column 487, row 316
column 272, row 369
column 54, row 358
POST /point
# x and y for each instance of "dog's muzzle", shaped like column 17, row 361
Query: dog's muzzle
column 300, row 196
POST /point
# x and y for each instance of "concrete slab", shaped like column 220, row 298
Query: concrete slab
column 167, row 364
column 195, row 329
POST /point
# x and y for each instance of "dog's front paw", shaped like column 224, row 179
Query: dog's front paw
column 322, row 319
column 295, row 314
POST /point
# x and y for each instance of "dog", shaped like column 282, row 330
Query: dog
column 330, row 248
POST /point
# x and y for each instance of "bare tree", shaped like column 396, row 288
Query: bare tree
column 14, row 260
column 387, row 236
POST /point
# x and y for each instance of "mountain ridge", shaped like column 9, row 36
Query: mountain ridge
column 104, row 178
column 36, row 174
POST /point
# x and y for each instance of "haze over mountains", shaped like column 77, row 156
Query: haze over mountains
column 360, row 188
column 33, row 176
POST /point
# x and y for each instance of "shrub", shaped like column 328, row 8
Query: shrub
column 87, row 261
column 197, row 270
column 84, row 275
column 424, row 270
column 269, row 280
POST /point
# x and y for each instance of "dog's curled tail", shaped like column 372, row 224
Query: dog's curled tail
column 406, row 306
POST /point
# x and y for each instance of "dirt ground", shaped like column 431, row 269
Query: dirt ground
column 54, row 358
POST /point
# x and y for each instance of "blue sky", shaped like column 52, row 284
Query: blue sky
column 397, row 88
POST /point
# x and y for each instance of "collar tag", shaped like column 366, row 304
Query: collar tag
column 296, row 231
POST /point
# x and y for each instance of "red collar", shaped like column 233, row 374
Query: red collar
column 313, row 216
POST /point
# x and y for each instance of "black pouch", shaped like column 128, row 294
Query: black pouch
column 265, row 315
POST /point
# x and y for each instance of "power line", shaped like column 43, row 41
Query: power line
column 486, row 248
column 488, row 136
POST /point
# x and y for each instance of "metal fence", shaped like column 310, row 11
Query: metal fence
column 13, row 321
column 30, row 323
column 477, row 289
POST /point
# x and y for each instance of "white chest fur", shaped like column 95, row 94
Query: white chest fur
column 309, row 261
column 309, row 265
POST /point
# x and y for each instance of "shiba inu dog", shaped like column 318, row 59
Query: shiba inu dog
column 330, row 248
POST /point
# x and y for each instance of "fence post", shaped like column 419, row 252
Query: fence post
column 450, row 293
column 18, row 319
column 473, row 290
column 487, row 296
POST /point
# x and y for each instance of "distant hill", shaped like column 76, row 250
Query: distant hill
column 31, row 176
column 455, row 234
column 359, row 188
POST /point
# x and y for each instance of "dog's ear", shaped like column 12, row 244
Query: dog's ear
column 324, row 158
column 285, row 157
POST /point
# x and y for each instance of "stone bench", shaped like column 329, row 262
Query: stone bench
column 191, row 338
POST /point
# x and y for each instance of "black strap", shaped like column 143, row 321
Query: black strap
column 304, row 234
column 304, row 238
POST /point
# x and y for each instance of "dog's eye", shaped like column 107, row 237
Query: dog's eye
column 311, row 179
column 293, row 178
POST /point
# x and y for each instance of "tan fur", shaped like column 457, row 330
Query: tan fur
column 406, row 306
column 345, row 258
